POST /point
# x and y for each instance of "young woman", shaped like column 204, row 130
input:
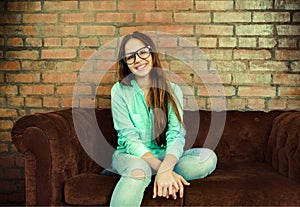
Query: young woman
column 148, row 117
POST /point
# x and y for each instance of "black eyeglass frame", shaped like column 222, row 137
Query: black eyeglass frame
column 137, row 53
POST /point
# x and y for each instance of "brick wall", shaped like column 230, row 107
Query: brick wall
column 254, row 46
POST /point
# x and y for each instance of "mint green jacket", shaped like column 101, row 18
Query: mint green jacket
column 134, row 123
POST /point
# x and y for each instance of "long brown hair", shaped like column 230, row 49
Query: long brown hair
column 160, row 93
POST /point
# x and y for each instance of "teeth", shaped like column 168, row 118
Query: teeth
column 141, row 67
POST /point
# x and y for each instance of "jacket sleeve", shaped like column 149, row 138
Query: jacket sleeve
column 128, row 135
column 175, row 134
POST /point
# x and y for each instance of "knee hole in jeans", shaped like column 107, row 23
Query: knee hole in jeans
column 139, row 174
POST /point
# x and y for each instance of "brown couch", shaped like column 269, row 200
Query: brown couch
column 259, row 160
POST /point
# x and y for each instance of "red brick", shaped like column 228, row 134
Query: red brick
column 59, row 77
column 216, row 90
column 86, row 54
column 251, row 54
column 60, row 5
column 5, row 136
column 67, row 102
column 236, row 103
column 23, row 78
column 287, row 43
column 216, row 104
column 86, row 30
column 58, row 30
column 192, row 17
column 16, row 41
column 252, row 79
column 176, row 29
column 277, row 104
column 8, row 112
column 287, row 5
column 10, row 65
column 85, row 42
column 137, row 5
column 287, row 55
column 50, row 102
column 11, row 90
column 48, row 42
column 78, row 17
column 214, row 5
column 293, row 104
column 37, row 18
column 256, row 91
column 86, row 102
column 103, row 103
column 254, row 30
column 218, row 54
column 114, row 17
column 6, row 124
column 268, row 65
column 33, row 102
column 286, row 79
column 175, row 5
column 225, row 66
column 271, row 17
column 23, row 54
column 289, row 91
column 24, row 6
column 288, row 30
column 131, row 29
column 15, row 101
column 211, row 29
column 256, row 103
column 33, row 42
column 3, row 148
column 104, row 90
column 232, row 16
column 22, row 30
column 253, row 4
column 65, row 90
column 10, row 18
column 59, row 54
column 70, row 42
column 99, row 5
column 37, row 89
column 152, row 17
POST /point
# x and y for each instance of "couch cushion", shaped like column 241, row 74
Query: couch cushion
column 93, row 189
column 89, row 189
column 243, row 184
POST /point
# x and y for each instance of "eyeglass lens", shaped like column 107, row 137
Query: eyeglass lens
column 143, row 53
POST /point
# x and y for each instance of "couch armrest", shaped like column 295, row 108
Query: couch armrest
column 283, row 149
column 52, row 155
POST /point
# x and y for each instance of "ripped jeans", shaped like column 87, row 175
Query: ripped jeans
column 194, row 164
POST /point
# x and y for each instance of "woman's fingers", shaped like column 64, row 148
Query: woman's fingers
column 184, row 181
column 154, row 190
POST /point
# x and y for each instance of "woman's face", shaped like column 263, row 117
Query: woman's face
column 136, row 54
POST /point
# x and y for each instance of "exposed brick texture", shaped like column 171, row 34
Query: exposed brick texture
column 252, row 44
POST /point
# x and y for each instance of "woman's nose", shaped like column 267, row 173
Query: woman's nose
column 137, row 58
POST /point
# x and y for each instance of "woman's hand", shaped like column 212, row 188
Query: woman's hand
column 168, row 183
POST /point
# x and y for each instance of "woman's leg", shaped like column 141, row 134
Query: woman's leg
column 135, row 177
column 196, row 163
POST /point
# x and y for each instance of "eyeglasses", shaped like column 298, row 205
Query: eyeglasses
column 143, row 53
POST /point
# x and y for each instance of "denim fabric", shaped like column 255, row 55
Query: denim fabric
column 195, row 163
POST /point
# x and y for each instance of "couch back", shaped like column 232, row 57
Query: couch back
column 244, row 137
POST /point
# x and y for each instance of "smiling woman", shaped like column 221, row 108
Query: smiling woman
column 147, row 113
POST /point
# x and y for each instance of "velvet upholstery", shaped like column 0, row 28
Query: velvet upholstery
column 259, row 159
